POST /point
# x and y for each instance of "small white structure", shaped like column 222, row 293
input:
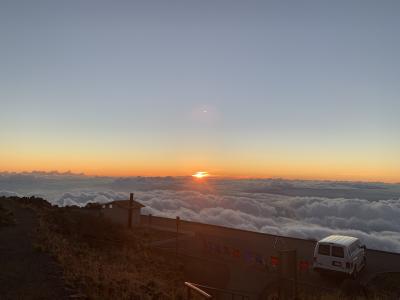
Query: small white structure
column 340, row 253
column 125, row 212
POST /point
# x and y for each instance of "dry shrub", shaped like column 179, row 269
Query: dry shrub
column 32, row 202
column 106, row 261
column 6, row 217
column 95, row 231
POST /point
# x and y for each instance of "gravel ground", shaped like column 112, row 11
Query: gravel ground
column 25, row 271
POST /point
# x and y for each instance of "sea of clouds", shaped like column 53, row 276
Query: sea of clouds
column 296, row 208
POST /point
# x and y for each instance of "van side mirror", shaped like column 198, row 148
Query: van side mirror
column 364, row 247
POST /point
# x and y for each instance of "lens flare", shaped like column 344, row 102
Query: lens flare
column 200, row 174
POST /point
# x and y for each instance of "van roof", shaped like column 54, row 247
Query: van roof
column 339, row 239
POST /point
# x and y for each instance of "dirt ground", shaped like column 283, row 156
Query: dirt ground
column 25, row 271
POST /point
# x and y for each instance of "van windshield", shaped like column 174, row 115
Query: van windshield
column 324, row 249
column 337, row 251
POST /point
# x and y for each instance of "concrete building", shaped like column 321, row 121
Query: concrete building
column 125, row 212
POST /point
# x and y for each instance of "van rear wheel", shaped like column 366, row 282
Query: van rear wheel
column 354, row 273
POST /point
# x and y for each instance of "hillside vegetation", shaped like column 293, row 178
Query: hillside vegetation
column 104, row 260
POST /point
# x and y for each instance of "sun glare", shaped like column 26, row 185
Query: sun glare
column 200, row 174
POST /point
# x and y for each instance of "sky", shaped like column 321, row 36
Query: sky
column 293, row 89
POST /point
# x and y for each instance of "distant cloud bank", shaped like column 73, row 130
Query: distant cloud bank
column 305, row 209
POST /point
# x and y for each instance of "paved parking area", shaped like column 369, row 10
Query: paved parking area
column 246, row 273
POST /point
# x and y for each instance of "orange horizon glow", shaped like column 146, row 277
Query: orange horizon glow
column 151, row 172
column 124, row 163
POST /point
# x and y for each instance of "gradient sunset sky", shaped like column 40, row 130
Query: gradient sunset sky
column 294, row 89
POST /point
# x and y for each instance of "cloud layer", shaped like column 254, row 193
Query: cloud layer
column 244, row 204
column 376, row 222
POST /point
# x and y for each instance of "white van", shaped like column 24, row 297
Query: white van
column 340, row 253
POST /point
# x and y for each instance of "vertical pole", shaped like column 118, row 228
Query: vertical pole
column 295, row 276
column 281, row 294
column 148, row 228
column 130, row 211
column 177, row 234
column 176, row 251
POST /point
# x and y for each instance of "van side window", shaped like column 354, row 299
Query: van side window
column 353, row 247
column 324, row 249
column 337, row 251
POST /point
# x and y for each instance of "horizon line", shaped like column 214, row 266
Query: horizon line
column 211, row 176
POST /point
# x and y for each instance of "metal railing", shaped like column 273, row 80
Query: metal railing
column 209, row 292
column 191, row 288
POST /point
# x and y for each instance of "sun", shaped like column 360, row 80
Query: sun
column 200, row 174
